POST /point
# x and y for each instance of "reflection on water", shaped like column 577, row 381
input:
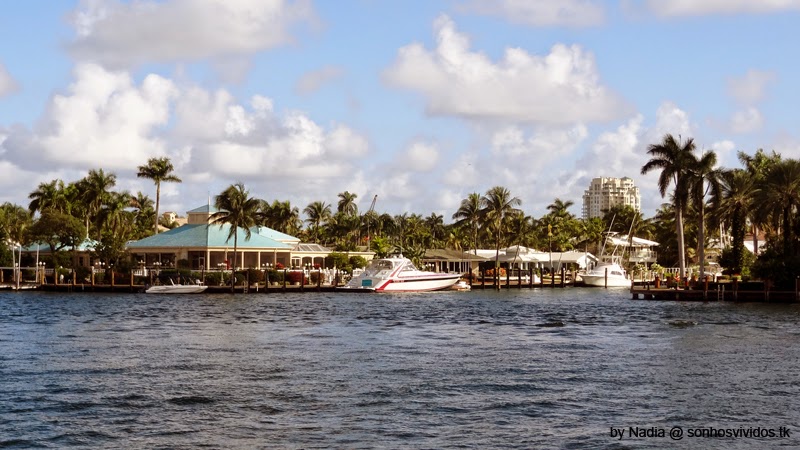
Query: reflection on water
column 522, row 369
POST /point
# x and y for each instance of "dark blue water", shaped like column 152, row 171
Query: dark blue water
column 515, row 369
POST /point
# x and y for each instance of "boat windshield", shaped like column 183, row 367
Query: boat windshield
column 380, row 264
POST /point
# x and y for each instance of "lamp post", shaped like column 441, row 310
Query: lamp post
column 40, row 267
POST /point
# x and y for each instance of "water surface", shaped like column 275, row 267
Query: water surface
column 482, row 369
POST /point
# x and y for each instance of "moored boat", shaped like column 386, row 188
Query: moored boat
column 176, row 289
column 399, row 274
column 607, row 274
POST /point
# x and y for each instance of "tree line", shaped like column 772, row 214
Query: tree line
column 705, row 203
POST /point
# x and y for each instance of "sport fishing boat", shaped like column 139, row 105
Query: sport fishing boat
column 399, row 274
column 608, row 273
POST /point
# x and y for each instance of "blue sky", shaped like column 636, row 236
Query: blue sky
column 418, row 102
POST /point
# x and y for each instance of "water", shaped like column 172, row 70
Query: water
column 515, row 369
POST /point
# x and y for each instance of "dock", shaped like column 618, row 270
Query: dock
column 722, row 291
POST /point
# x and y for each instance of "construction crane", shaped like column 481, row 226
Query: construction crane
column 364, row 217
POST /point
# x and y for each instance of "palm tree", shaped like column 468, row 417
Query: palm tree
column 317, row 213
column 780, row 196
column 702, row 177
column 347, row 203
column 48, row 196
column 238, row 210
column 469, row 213
column 159, row 170
column 673, row 159
column 435, row 225
column 498, row 205
column 757, row 166
column 94, row 191
column 736, row 197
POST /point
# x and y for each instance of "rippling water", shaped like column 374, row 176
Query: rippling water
column 514, row 369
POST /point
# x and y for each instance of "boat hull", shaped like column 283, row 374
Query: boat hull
column 176, row 289
column 416, row 284
column 600, row 281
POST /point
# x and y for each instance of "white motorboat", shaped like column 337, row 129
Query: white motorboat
column 176, row 289
column 399, row 274
column 607, row 273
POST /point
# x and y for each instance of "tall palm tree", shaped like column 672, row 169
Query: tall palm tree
column 317, row 214
column 48, row 196
column 347, row 203
column 735, row 198
column 498, row 205
column 673, row 158
column 780, row 197
column 469, row 213
column 757, row 166
column 703, row 175
column 94, row 190
column 238, row 210
column 159, row 170
column 435, row 225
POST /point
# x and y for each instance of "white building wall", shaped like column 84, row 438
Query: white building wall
column 605, row 193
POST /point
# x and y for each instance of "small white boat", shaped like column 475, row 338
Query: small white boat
column 176, row 289
column 399, row 274
column 461, row 285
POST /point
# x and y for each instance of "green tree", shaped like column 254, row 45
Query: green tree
column 158, row 170
column 238, row 210
column 48, row 196
column 317, row 214
column 735, row 198
column 469, row 214
column 498, row 205
column 703, row 177
column 94, row 191
column 347, row 203
column 779, row 197
column 673, row 159
column 57, row 230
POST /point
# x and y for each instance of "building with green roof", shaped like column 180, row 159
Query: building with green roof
column 206, row 246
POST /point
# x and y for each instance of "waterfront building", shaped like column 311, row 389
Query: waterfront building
column 605, row 193
column 205, row 246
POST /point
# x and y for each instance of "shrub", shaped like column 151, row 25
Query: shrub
column 295, row 277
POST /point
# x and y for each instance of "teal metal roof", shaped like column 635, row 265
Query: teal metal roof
column 202, row 235
column 204, row 209
column 274, row 234
column 88, row 245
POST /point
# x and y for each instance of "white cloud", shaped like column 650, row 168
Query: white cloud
column 577, row 13
column 103, row 120
column 750, row 88
column 313, row 81
column 677, row 8
column 419, row 156
column 561, row 87
column 747, row 121
column 120, row 35
column 7, row 83
column 726, row 153
column 544, row 145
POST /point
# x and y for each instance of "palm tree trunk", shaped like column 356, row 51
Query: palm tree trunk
column 681, row 249
column 233, row 266
column 158, row 201
column 701, row 244
column 497, row 260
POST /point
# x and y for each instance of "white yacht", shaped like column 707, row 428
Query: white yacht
column 399, row 274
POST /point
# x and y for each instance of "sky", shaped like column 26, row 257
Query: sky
column 418, row 102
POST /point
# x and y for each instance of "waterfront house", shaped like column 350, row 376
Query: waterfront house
column 201, row 245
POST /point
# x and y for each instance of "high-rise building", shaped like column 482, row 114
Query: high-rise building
column 605, row 193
